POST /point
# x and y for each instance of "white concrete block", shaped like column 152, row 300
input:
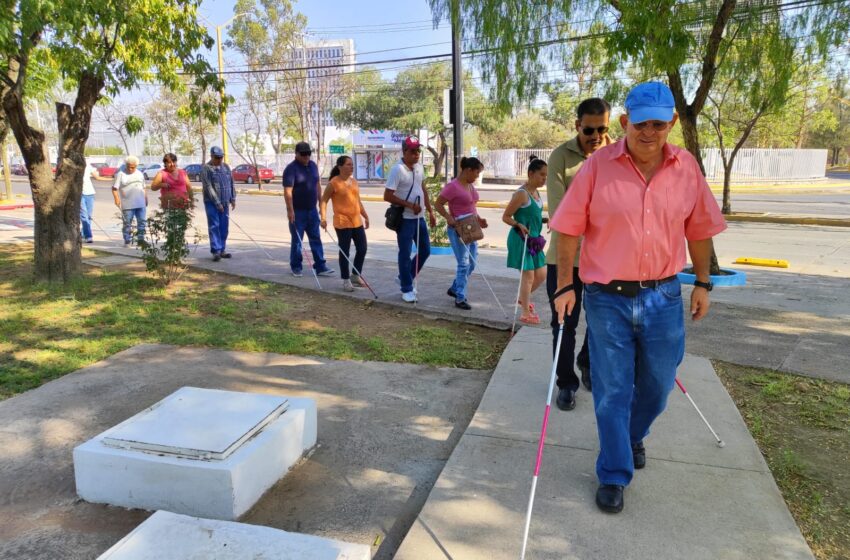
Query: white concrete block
column 168, row 536
column 196, row 483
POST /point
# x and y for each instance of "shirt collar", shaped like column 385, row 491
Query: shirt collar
column 668, row 150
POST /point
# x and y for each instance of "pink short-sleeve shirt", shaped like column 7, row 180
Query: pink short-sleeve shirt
column 634, row 230
column 462, row 198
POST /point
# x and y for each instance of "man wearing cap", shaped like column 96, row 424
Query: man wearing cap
column 636, row 202
column 302, row 191
column 591, row 124
column 219, row 199
column 404, row 188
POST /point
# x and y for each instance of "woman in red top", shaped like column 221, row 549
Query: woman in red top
column 174, row 184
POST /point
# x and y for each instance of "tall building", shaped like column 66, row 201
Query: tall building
column 333, row 57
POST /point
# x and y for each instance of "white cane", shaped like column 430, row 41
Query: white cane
column 475, row 264
column 521, row 266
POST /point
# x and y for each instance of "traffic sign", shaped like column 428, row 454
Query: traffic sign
column 337, row 149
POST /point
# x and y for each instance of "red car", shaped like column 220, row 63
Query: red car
column 249, row 174
column 105, row 171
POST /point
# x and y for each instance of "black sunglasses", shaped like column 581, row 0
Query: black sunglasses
column 589, row 130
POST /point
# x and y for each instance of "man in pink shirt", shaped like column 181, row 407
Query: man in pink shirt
column 636, row 202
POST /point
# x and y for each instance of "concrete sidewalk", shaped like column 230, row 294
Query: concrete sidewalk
column 693, row 500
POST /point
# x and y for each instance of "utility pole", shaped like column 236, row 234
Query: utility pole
column 457, row 88
column 218, row 28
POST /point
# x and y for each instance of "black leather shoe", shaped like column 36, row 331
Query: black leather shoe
column 226, row 255
column 639, row 455
column 585, row 377
column 451, row 293
column 463, row 305
column 609, row 497
column 566, row 399
column 217, row 257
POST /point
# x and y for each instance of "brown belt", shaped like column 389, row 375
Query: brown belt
column 631, row 288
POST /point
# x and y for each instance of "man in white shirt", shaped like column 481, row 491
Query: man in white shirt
column 404, row 188
column 87, row 202
column 130, row 196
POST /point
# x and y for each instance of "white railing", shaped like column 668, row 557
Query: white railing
column 750, row 164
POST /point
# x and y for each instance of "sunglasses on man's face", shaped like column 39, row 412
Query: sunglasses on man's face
column 589, row 130
column 658, row 126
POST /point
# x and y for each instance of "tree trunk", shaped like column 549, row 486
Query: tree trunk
column 727, row 189
column 57, row 227
column 688, row 122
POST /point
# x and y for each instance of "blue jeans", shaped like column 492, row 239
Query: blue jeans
column 636, row 344
column 139, row 214
column 306, row 221
column 218, row 226
column 406, row 236
column 86, row 212
column 465, row 264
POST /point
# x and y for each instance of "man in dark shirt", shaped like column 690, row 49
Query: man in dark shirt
column 302, row 190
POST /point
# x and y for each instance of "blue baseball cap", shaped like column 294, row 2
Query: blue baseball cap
column 215, row 151
column 650, row 101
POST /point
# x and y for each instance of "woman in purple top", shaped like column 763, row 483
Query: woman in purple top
column 461, row 196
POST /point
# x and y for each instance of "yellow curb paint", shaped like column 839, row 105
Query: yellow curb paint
column 776, row 263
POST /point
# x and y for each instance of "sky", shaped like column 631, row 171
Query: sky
column 399, row 28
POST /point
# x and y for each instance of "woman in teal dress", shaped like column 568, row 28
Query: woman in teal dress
column 525, row 216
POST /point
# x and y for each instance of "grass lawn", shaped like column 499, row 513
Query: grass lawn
column 48, row 331
column 802, row 426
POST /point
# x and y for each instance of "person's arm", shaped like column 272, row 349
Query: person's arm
column 441, row 210
column 115, row 186
column 208, row 188
column 701, row 258
column 323, row 205
column 432, row 219
column 189, row 194
column 156, row 184
column 556, row 181
column 318, row 182
column 288, row 181
column 567, row 249
column 519, row 198
column 232, row 187
column 363, row 213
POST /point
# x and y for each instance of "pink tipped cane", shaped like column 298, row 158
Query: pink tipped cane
column 720, row 442
column 542, row 440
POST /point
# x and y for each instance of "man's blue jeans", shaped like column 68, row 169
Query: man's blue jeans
column 138, row 214
column 86, row 212
column 636, row 344
column 306, row 221
column 465, row 264
column 218, row 226
column 406, row 236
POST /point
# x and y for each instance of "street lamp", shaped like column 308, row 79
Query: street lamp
column 218, row 29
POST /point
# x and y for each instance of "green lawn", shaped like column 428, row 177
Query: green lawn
column 48, row 331
column 802, row 427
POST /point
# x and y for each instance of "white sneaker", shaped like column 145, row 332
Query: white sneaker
column 346, row 285
column 408, row 297
column 357, row 281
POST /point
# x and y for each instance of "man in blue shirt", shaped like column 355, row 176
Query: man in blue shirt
column 302, row 190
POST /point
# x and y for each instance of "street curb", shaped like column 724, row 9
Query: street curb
column 14, row 206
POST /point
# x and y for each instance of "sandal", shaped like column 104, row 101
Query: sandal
column 530, row 306
column 533, row 319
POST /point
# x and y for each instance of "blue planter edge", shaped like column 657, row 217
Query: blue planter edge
column 436, row 250
column 731, row 278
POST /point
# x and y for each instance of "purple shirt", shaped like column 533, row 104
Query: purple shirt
column 461, row 198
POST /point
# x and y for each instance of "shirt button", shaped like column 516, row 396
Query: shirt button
column 647, row 232
column 646, row 254
column 647, row 210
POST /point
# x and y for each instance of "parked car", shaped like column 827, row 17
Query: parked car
column 18, row 169
column 151, row 170
column 249, row 174
column 106, row 171
column 193, row 170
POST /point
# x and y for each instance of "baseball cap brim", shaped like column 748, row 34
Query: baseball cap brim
column 643, row 114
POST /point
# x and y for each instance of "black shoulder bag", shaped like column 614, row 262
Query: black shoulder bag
column 395, row 214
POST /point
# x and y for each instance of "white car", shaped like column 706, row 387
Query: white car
column 151, row 170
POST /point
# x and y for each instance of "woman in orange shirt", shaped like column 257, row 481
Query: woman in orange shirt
column 343, row 190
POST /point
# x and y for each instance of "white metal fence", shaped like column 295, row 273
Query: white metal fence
column 750, row 164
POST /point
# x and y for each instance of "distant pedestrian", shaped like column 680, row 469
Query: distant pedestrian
column 302, row 190
column 404, row 188
column 219, row 200
column 461, row 196
column 524, row 214
column 175, row 189
column 87, row 202
column 132, row 198
column 592, row 116
column 639, row 203
column 350, row 220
